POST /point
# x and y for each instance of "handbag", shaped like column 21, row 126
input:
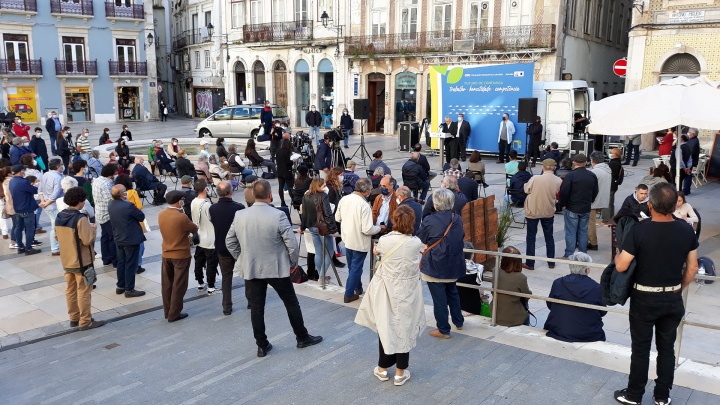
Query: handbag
column 40, row 163
column 321, row 224
column 89, row 274
column 527, row 308
column 437, row 242
column 298, row 275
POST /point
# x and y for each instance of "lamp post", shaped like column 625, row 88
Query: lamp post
column 211, row 30
column 150, row 39
column 324, row 17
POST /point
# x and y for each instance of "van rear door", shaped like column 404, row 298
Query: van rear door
column 559, row 117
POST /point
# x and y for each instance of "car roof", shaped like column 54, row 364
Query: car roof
column 254, row 105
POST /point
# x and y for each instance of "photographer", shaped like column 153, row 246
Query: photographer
column 346, row 123
column 323, row 158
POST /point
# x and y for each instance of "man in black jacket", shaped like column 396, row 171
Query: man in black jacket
column 534, row 132
column 553, row 153
column 313, row 119
column 128, row 235
column 404, row 197
column 323, row 157
column 618, row 175
column 422, row 161
column 468, row 186
column 693, row 144
column 686, row 160
column 37, row 144
column 53, row 126
column 517, row 184
column 186, row 186
column 577, row 193
column 221, row 216
column 415, row 177
column 452, row 148
column 463, row 135
column 147, row 182
column 637, row 202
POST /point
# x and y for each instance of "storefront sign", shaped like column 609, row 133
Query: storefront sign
column 77, row 90
column 356, row 85
column 406, row 81
column 686, row 16
column 312, row 50
column 23, row 103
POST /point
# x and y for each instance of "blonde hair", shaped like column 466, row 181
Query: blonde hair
column 317, row 185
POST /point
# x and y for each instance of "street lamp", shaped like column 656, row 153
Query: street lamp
column 150, row 40
column 210, row 30
column 324, row 17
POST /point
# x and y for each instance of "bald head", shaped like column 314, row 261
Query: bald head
column 404, row 193
column 118, row 192
column 139, row 160
column 224, row 189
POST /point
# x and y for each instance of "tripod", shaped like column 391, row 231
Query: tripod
column 361, row 148
column 338, row 157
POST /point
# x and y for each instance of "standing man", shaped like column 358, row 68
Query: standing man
column 656, row 304
column 405, row 197
column 385, row 204
column 540, row 207
column 452, row 149
column 82, row 144
column 102, row 193
column 693, row 144
column 633, row 149
column 23, row 198
column 175, row 228
column 220, row 214
column 601, row 202
column 37, row 144
column 534, row 132
column 323, row 157
column 618, row 175
column 205, row 255
column 505, row 138
column 262, row 241
column 313, row 119
column 357, row 229
column 51, row 191
column 125, row 218
column 53, row 126
column 346, row 122
column 20, row 129
column 577, row 193
column 266, row 118
column 685, row 160
column 464, row 135
column 76, row 236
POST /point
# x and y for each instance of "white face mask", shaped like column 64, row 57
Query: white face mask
column 34, row 163
column 341, row 178
column 26, row 144
column 397, row 200
column 174, row 143
column 19, row 121
column 326, row 189
column 313, row 109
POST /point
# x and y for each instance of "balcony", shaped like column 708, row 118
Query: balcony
column 124, row 10
column 82, row 8
column 20, row 6
column 190, row 37
column 279, row 31
column 128, row 68
column 76, row 68
column 13, row 67
column 498, row 39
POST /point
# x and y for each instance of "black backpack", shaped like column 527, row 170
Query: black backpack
column 709, row 266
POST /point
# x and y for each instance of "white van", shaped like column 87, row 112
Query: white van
column 238, row 121
column 558, row 101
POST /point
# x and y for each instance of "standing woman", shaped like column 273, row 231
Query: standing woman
column 666, row 143
column 334, row 181
column 7, row 222
column 123, row 154
column 134, row 197
column 317, row 195
column 284, row 169
column 393, row 305
column 346, row 122
column 62, row 149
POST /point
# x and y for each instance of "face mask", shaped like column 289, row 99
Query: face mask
column 26, row 144
column 326, row 190
column 384, row 191
column 34, row 163
column 504, row 119
column 398, row 201
column 313, row 108
column 345, row 112
column 19, row 121
column 341, row 178
column 62, row 169
column 174, row 143
column 609, row 155
column 39, row 134
column 224, row 143
column 460, row 118
column 115, row 177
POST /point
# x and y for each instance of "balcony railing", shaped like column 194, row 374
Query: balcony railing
column 76, row 68
column 113, row 9
column 190, row 37
column 279, row 31
column 490, row 39
column 16, row 67
column 128, row 68
column 75, row 7
column 19, row 5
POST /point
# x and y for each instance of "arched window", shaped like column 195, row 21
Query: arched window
column 680, row 64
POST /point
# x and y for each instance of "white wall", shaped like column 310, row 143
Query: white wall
column 593, row 62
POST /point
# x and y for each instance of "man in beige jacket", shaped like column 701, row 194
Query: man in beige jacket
column 540, row 207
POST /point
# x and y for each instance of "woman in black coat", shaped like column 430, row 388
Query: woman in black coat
column 123, row 154
column 300, row 186
column 284, row 169
column 220, row 150
column 309, row 218
column 62, row 149
column 183, row 166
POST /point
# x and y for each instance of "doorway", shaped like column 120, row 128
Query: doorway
column 280, row 81
column 259, row 76
column 240, row 83
column 128, row 103
column 376, row 95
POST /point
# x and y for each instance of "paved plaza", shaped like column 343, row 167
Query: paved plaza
column 212, row 358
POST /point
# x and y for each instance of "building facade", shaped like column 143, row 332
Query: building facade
column 89, row 60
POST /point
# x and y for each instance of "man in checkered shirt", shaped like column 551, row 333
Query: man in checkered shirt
column 101, row 190
column 454, row 170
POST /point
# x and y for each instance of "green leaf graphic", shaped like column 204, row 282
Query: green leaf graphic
column 455, row 75
column 440, row 69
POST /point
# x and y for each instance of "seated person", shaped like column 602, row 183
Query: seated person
column 553, row 153
column 94, row 165
column 147, row 182
column 564, row 168
column 637, row 203
column 202, row 166
column 415, row 177
column 162, row 160
column 378, row 174
column 215, row 168
column 517, row 185
column 685, row 211
column 468, row 186
column 477, row 167
column 236, row 165
column 301, row 185
column 114, row 159
column 656, row 176
column 511, row 167
column 511, row 309
column 575, row 324
column 183, row 166
column 454, row 169
column 255, row 158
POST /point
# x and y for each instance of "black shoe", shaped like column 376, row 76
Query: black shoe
column 348, row 300
column 359, row 292
column 30, row 252
column 36, row 243
column 634, row 164
column 228, row 312
column 20, row 251
column 119, row 291
column 182, row 315
column 338, row 263
column 139, row 270
column 94, row 286
column 263, row 351
column 592, row 247
column 346, row 147
column 485, row 185
column 93, row 325
column 621, row 396
column 134, row 293
column 309, row 341
column 626, row 163
column 74, row 324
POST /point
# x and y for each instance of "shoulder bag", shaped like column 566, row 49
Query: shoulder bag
column 89, row 274
column 437, row 242
column 390, row 253
column 320, row 222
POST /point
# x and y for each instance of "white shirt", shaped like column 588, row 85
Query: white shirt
column 200, row 211
column 384, row 210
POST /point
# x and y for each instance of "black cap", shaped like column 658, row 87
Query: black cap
column 174, row 196
column 302, row 169
column 579, row 158
column 18, row 168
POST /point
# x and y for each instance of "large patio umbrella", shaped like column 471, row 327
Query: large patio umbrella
column 675, row 102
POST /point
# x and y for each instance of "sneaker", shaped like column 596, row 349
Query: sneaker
column 93, row 325
column 436, row 333
column 662, row 401
column 621, row 396
column 134, row 293
column 98, row 255
column 211, row 290
column 30, row 252
column 20, row 251
column 382, row 376
column 401, row 379
column 202, row 286
column 13, row 245
column 37, row 243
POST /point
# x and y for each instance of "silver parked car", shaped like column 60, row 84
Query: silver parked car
column 240, row 121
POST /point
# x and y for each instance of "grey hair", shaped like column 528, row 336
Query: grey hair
column 404, row 192
column 694, row 131
column 579, row 257
column 68, row 182
column 597, row 157
column 379, row 171
column 447, row 117
column 213, row 159
column 443, row 199
column 224, row 189
column 232, row 148
column 363, row 186
column 454, row 163
column 450, row 183
column 202, row 158
column 95, row 154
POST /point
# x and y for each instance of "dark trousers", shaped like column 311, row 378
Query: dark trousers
column 206, row 258
column 26, row 223
column 53, row 139
column 160, row 190
column 462, row 146
column 452, row 149
column 107, row 245
column 174, row 285
column 256, row 291
column 533, row 151
column 547, row 227
column 66, row 162
column 503, row 151
column 401, row 360
column 634, row 152
column 127, row 264
column 422, row 191
column 446, row 295
column 282, row 182
column 227, row 264
column 663, row 312
column 687, row 182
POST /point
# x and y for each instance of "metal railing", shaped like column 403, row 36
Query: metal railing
column 127, row 68
column 28, row 67
column 124, row 10
column 495, row 39
column 301, row 30
column 76, row 68
column 19, row 5
column 76, row 7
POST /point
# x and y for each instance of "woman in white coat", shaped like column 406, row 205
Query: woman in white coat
column 393, row 305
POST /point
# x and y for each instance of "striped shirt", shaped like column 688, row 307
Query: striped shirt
column 83, row 143
column 101, row 190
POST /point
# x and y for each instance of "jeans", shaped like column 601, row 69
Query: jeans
column 127, row 264
column 206, row 258
column 85, row 156
column 663, row 312
column 329, row 247
column 38, row 213
column 52, row 214
column 53, row 139
column 347, row 136
column 503, row 151
column 634, row 152
column 547, row 227
column 355, row 263
column 25, row 222
column 107, row 245
column 315, row 133
column 444, row 295
column 686, row 183
column 227, row 264
column 256, row 291
column 141, row 253
column 576, row 232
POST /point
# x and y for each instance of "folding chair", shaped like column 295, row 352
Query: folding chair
column 210, row 185
column 515, row 210
column 479, row 179
column 255, row 168
column 369, row 173
column 698, row 173
column 175, row 180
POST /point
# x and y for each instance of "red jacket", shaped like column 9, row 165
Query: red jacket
column 666, row 145
column 22, row 130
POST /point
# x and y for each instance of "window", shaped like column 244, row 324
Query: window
column 207, row 59
column 255, row 11
column 16, row 51
column 236, row 14
column 409, row 20
column 599, row 19
column 195, row 22
column 586, row 19
column 442, row 17
column 197, row 59
column 610, row 15
column 241, row 113
column 573, row 13
column 74, row 53
column 479, row 14
column 278, row 11
column 379, row 22
column 301, row 10
column 222, row 115
column 619, row 24
column 125, row 49
column 208, row 17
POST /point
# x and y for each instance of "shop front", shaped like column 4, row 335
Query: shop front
column 128, row 104
column 77, row 104
column 207, row 100
column 327, row 94
column 405, row 97
column 302, row 91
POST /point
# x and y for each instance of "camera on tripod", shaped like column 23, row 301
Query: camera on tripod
column 335, row 135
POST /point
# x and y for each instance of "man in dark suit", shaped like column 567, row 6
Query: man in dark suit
column 468, row 186
column 404, row 195
column 128, row 235
column 147, row 182
column 415, row 177
column 452, row 148
column 313, row 119
column 53, row 126
column 450, row 183
column 463, row 134
column 534, row 132
column 694, row 145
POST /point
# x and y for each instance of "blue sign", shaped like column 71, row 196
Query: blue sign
column 482, row 94
column 356, row 85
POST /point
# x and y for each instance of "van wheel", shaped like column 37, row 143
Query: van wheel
column 254, row 134
column 204, row 132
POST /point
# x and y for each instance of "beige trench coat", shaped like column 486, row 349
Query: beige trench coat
column 393, row 304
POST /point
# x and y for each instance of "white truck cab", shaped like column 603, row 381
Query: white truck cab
column 558, row 101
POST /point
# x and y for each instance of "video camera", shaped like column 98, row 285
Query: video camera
column 335, row 135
